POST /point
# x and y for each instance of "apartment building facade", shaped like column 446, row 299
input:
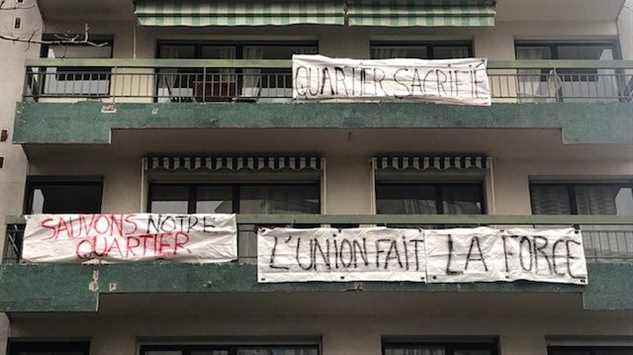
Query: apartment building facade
column 185, row 107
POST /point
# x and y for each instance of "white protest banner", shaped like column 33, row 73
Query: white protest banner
column 74, row 238
column 433, row 256
column 451, row 81
column 487, row 254
column 328, row 254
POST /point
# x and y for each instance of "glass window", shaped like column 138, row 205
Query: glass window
column 426, row 198
column 214, row 199
column 582, row 199
column 431, row 50
column 406, row 199
column 229, row 349
column 566, row 50
column 440, row 349
column 280, row 199
column 588, row 350
column 77, row 80
column 63, row 197
column 169, row 199
column 234, row 198
column 48, row 348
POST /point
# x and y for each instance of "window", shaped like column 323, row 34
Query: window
column 590, row 350
column 48, row 348
column 229, row 350
column 568, row 83
column 224, row 84
column 582, row 199
column 88, row 81
column 51, row 195
column 235, row 198
column 427, row 198
column 421, row 50
column 433, row 348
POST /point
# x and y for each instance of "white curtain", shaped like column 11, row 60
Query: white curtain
column 390, row 52
column 533, row 84
column 252, row 77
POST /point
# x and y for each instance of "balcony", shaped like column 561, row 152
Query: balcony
column 72, row 287
column 203, row 81
column 80, row 101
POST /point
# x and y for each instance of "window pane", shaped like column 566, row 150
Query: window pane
column 217, row 52
column 550, row 199
column 415, row 350
column 406, row 199
column 169, row 199
column 388, row 52
column 604, row 199
column 214, row 199
column 533, row 52
column 451, row 52
column 66, row 198
column 588, row 52
column 177, row 51
column 472, row 352
column 462, row 199
column 280, row 199
column 277, row 52
column 590, row 351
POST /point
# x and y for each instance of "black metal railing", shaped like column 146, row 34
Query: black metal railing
column 607, row 239
column 164, row 80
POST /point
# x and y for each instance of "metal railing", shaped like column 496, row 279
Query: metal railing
column 166, row 80
column 607, row 239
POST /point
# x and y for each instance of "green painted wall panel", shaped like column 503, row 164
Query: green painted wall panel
column 76, row 288
column 84, row 123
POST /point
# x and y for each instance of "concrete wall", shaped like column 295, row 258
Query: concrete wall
column 494, row 43
column 348, row 324
column 518, row 156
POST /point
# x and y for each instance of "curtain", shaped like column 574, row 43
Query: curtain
column 380, row 52
column 91, row 81
column 533, row 84
column 252, row 77
column 597, row 199
column 550, row 200
column 422, row 350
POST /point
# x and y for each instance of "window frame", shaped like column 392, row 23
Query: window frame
column 593, row 350
column 16, row 346
column 33, row 181
column 430, row 45
column 235, row 192
column 239, row 45
column 554, row 46
column 449, row 347
column 439, row 192
column 232, row 349
column 571, row 192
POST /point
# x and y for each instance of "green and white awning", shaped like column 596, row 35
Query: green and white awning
column 232, row 163
column 429, row 162
column 424, row 13
column 199, row 13
column 389, row 13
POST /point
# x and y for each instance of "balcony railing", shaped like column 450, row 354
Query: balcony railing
column 168, row 80
column 607, row 239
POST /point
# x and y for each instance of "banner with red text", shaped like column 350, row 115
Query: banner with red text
column 112, row 238
column 459, row 255
column 448, row 81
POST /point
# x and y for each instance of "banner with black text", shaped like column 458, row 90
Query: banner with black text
column 434, row 256
column 449, row 81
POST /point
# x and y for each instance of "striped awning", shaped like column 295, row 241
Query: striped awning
column 232, row 163
column 198, row 13
column 429, row 162
column 424, row 13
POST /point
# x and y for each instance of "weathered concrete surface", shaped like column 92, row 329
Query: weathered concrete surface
column 84, row 123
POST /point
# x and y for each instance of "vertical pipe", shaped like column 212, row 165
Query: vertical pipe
column 490, row 185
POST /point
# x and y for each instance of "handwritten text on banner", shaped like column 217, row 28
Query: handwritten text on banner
column 201, row 238
column 451, row 81
column 434, row 256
